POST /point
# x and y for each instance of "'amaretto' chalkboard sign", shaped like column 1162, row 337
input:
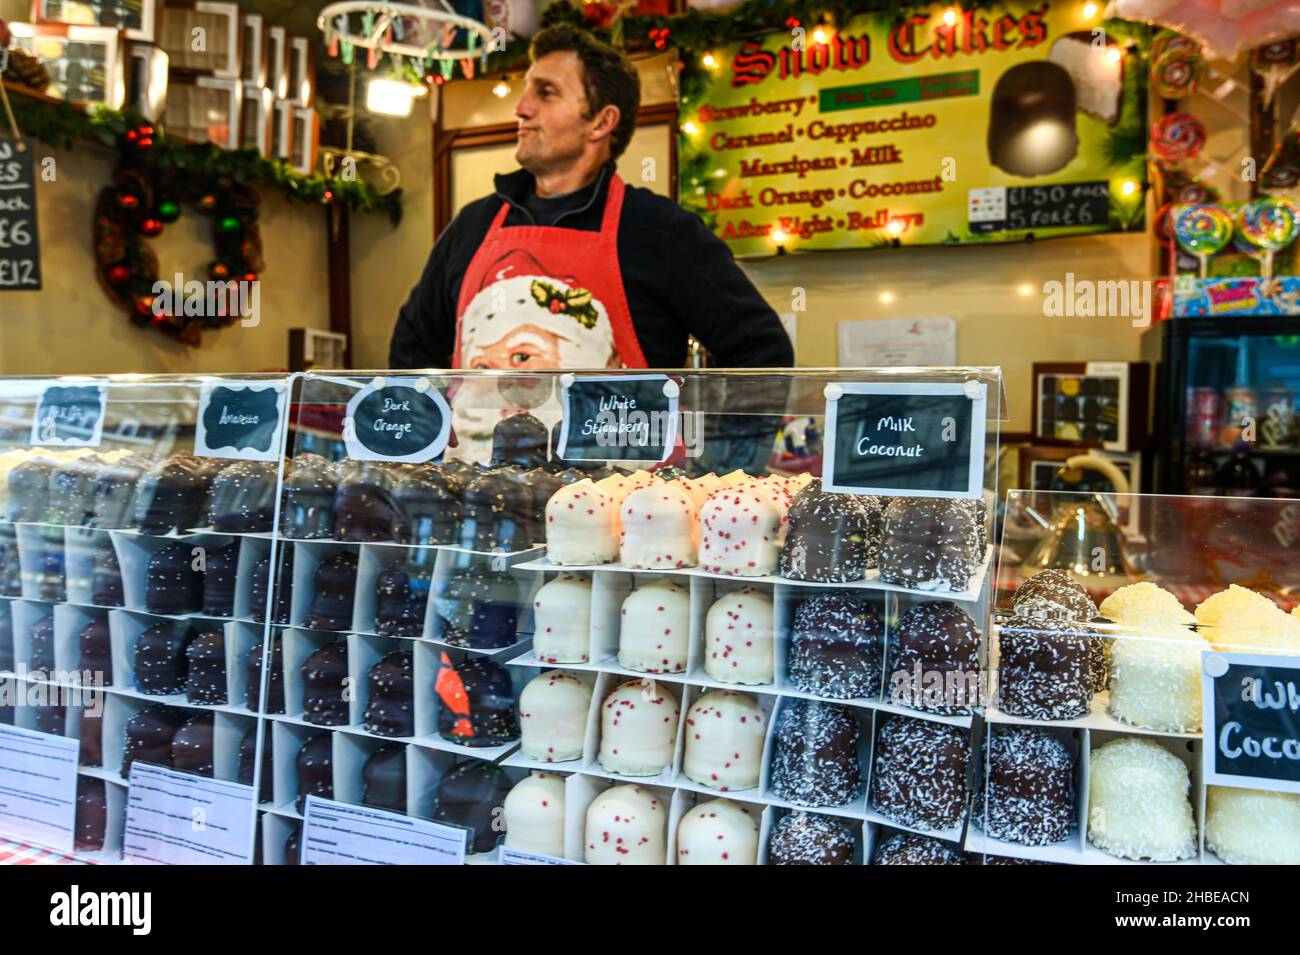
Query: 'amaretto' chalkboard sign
column 619, row 418
column 240, row 420
column 919, row 439
column 70, row 415
column 397, row 419
column 20, row 248
column 1251, row 708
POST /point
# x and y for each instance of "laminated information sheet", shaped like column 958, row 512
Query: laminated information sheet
column 38, row 787
column 175, row 818
column 338, row 834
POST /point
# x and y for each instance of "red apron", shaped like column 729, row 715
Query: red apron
column 547, row 297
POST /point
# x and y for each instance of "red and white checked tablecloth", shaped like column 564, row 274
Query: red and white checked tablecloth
column 20, row 853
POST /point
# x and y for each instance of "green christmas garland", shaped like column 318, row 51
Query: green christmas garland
column 154, row 178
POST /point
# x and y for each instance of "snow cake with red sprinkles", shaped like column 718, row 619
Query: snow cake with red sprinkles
column 741, row 530
column 626, row 825
column 660, row 527
column 553, row 710
column 717, row 832
column 638, row 729
column 724, row 741
column 582, row 525
column 655, row 628
column 562, row 619
column 534, row 811
column 738, row 639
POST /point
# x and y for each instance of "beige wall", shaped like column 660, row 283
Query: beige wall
column 387, row 261
column 994, row 292
column 71, row 327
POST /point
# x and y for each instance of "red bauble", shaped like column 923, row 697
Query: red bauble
column 117, row 274
column 151, row 227
column 249, row 277
column 128, row 200
column 219, row 270
column 144, row 306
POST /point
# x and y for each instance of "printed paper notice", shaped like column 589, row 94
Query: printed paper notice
column 519, row 857
column 334, row 833
column 898, row 343
column 178, row 819
column 38, row 787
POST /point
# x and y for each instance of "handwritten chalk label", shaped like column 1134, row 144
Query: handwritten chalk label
column 619, row 418
column 920, row 439
column 1251, row 714
column 20, row 247
column 397, row 421
column 70, row 415
column 240, row 420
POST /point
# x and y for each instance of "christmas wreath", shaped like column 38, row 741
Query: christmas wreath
column 154, row 179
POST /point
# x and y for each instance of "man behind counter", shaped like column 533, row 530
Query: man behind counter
column 565, row 266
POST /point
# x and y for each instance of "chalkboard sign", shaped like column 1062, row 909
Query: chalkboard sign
column 920, row 440
column 20, row 250
column 1251, row 710
column 240, row 420
column 619, row 418
column 397, row 419
column 1026, row 208
column 70, row 415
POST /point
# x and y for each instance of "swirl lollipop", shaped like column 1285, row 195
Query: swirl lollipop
column 1176, row 137
column 1203, row 231
column 1269, row 225
column 1175, row 73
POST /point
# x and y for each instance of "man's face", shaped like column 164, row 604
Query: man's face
column 553, row 126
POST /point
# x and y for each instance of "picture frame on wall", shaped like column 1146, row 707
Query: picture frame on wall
column 277, row 61
column 302, row 72
column 254, row 61
column 1095, row 404
column 146, row 79
column 306, row 140
column 257, row 119
column 222, row 31
column 205, row 109
column 281, row 129
column 85, row 63
column 138, row 19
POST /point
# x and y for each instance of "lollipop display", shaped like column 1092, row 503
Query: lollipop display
column 1177, row 65
column 1202, row 231
column 1268, row 225
column 1176, row 137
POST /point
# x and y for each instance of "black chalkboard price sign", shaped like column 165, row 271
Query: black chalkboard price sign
column 70, row 415
column 618, row 418
column 1251, row 713
column 397, row 419
column 240, row 421
column 923, row 439
column 20, row 250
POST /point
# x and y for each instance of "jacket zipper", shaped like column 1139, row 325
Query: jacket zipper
column 600, row 182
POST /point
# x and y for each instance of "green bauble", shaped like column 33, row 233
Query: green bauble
column 228, row 225
column 169, row 211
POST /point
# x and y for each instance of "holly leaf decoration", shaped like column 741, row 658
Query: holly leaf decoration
column 575, row 302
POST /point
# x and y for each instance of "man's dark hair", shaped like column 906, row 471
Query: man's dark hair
column 608, row 77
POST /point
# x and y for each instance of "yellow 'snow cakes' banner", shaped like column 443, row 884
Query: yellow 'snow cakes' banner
column 948, row 126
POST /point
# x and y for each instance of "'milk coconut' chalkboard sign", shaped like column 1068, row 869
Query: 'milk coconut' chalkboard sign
column 920, row 439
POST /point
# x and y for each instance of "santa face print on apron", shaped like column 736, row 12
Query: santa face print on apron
column 539, row 297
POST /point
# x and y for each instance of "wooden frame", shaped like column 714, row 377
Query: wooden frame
column 146, row 79
column 445, row 141
column 277, row 61
column 257, row 119
column 281, row 129
column 49, row 42
column 182, row 18
column 302, row 71
column 1132, row 400
column 66, row 11
column 195, row 94
column 252, row 67
column 306, row 140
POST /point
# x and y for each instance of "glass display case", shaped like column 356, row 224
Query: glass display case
column 1123, row 725
column 1230, row 385
column 387, row 602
